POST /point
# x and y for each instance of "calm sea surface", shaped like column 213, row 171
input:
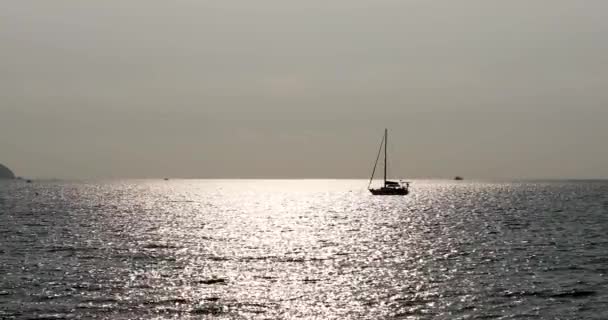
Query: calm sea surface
column 254, row 249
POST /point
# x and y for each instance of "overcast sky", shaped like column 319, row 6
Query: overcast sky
column 279, row 88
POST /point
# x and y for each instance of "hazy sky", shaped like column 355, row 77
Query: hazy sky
column 279, row 88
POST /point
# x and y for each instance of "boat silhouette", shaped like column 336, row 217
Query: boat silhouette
column 389, row 188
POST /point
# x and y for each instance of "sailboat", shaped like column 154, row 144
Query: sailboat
column 390, row 188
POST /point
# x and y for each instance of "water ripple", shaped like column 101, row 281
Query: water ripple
column 303, row 249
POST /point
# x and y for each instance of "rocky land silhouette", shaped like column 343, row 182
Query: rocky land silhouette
column 6, row 173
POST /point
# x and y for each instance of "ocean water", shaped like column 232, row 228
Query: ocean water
column 308, row 249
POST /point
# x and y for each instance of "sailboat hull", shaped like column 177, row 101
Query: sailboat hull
column 390, row 192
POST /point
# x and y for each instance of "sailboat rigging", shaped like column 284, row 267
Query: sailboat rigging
column 390, row 188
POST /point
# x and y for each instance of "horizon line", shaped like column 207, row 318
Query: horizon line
column 481, row 179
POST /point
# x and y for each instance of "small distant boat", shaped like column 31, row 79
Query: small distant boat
column 28, row 181
column 458, row 178
column 166, row 179
column 390, row 188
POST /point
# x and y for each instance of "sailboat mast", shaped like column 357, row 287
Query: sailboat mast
column 371, row 179
column 385, row 153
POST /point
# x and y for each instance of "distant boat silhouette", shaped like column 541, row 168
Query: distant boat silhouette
column 458, row 178
column 390, row 188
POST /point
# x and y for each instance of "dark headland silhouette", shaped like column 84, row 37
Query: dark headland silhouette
column 6, row 173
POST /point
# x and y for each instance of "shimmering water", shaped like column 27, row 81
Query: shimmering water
column 303, row 249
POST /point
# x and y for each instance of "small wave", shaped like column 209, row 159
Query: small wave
column 255, row 308
column 159, row 246
column 88, row 257
column 301, row 259
column 213, row 281
column 49, row 317
column 411, row 298
column 99, row 300
column 70, row 249
column 212, row 299
column 87, row 286
column 510, row 294
column 283, row 259
column 292, row 299
column 411, row 314
column 265, row 277
column 600, row 260
column 262, row 258
column 489, row 316
column 167, row 311
column 467, row 308
column 33, row 224
column 574, row 294
column 167, row 301
column 46, row 297
column 208, row 310
column 549, row 294
column 177, row 301
column 565, row 268
column 217, row 258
